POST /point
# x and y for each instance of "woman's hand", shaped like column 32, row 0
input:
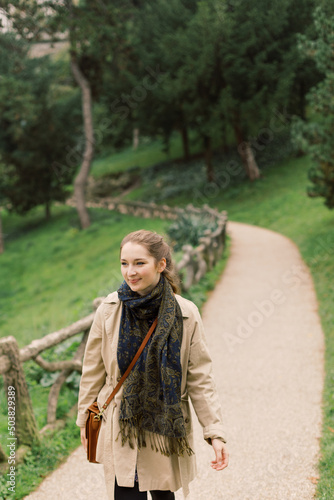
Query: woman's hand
column 83, row 438
column 221, row 452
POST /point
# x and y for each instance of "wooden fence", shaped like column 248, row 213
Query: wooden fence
column 195, row 261
column 192, row 266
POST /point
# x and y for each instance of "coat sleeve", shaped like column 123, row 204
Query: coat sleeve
column 201, row 386
column 93, row 369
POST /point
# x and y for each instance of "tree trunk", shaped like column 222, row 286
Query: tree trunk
column 2, row 245
column 26, row 430
column 208, row 159
column 185, row 143
column 245, row 151
column 81, row 179
column 252, row 169
column 135, row 141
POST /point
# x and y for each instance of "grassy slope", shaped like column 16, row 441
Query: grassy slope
column 53, row 271
column 147, row 154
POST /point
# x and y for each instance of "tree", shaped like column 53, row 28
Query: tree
column 179, row 65
column 95, row 31
column 82, row 176
column 165, row 23
column 260, row 65
column 32, row 20
column 225, row 65
column 181, row 38
column 300, row 20
column 316, row 136
column 38, row 124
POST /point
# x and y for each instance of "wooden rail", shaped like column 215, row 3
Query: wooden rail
column 195, row 261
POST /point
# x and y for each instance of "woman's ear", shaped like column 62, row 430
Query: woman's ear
column 162, row 265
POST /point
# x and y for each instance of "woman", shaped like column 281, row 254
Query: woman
column 146, row 437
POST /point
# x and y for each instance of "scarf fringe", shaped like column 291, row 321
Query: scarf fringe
column 132, row 433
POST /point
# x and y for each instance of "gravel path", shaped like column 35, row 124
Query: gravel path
column 267, row 345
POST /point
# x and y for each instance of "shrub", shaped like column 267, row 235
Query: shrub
column 188, row 229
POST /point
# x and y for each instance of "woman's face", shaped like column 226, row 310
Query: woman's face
column 139, row 268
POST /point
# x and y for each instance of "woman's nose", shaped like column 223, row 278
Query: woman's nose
column 131, row 271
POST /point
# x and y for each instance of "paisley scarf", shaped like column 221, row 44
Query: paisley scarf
column 151, row 401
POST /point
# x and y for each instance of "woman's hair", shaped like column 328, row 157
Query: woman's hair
column 157, row 248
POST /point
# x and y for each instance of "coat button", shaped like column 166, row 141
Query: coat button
column 187, row 420
column 119, row 378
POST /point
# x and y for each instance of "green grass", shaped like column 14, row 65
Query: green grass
column 52, row 271
column 42, row 459
column 147, row 154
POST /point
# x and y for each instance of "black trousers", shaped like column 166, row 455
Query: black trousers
column 123, row 493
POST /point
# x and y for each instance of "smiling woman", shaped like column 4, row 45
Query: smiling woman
column 146, row 436
column 139, row 268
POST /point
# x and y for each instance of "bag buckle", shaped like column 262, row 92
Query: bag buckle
column 98, row 415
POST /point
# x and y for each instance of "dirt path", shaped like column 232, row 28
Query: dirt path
column 267, row 346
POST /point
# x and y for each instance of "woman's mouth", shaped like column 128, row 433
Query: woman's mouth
column 133, row 282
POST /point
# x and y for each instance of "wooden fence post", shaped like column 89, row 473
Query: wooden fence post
column 187, row 264
column 25, row 424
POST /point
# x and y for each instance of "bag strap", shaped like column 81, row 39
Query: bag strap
column 128, row 370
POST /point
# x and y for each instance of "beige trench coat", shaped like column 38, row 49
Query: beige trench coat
column 101, row 373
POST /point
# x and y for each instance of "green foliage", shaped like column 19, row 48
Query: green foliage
column 168, row 182
column 222, row 67
column 205, row 67
column 189, row 229
column 35, row 375
column 41, row 460
column 264, row 68
column 38, row 126
column 316, row 137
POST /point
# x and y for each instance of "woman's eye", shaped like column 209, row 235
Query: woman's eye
column 138, row 263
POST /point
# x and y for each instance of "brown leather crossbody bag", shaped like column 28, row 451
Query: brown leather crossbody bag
column 94, row 419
